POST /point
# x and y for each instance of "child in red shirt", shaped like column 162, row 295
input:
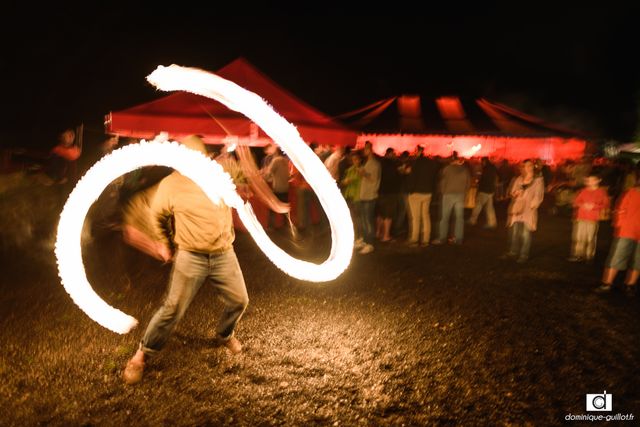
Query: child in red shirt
column 589, row 205
column 625, row 250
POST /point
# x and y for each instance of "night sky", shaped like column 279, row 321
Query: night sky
column 63, row 66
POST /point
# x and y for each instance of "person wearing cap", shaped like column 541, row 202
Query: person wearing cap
column 203, row 238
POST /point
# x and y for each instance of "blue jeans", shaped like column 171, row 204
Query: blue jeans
column 484, row 200
column 367, row 210
column 190, row 270
column 519, row 240
column 452, row 202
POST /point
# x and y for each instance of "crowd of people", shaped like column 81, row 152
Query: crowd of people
column 390, row 198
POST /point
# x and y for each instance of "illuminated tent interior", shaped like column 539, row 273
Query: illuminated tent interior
column 472, row 127
column 183, row 113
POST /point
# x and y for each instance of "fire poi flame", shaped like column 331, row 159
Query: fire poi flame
column 216, row 184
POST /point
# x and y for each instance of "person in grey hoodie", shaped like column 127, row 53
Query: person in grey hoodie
column 455, row 180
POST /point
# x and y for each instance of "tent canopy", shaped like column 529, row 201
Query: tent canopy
column 449, row 115
column 183, row 113
column 472, row 127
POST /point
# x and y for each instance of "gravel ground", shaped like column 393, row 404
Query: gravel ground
column 447, row 335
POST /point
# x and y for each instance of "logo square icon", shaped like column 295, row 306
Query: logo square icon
column 600, row 402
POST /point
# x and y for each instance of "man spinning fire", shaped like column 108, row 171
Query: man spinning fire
column 203, row 238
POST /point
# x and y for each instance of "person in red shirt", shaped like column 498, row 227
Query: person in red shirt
column 589, row 205
column 625, row 250
column 63, row 157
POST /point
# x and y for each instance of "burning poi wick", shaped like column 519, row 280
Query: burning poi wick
column 216, row 184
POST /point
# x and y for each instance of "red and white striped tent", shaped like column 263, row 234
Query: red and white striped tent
column 472, row 127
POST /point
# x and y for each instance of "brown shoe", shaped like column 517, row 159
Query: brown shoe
column 233, row 345
column 132, row 373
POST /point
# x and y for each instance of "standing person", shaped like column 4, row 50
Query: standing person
column 589, row 205
column 527, row 193
column 304, row 197
column 486, row 190
column 203, row 239
column 332, row 163
column 505, row 175
column 400, row 222
column 455, row 180
column 370, row 174
column 388, row 195
column 625, row 249
column 278, row 176
column 63, row 157
column 351, row 192
column 269, row 152
column 546, row 173
column 421, row 183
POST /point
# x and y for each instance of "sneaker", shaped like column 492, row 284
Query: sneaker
column 436, row 242
column 574, row 259
column 412, row 244
column 603, row 288
column 630, row 290
column 233, row 345
column 359, row 243
column 522, row 260
column 366, row 249
column 132, row 373
column 424, row 244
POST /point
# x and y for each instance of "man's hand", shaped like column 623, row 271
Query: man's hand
column 164, row 253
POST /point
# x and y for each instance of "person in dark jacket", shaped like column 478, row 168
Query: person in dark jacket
column 484, row 199
column 421, row 183
column 387, row 195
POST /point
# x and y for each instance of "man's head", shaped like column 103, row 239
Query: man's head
column 368, row 149
column 67, row 137
column 355, row 158
column 527, row 167
column 592, row 181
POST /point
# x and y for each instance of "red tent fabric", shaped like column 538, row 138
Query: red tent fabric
column 183, row 113
column 472, row 127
